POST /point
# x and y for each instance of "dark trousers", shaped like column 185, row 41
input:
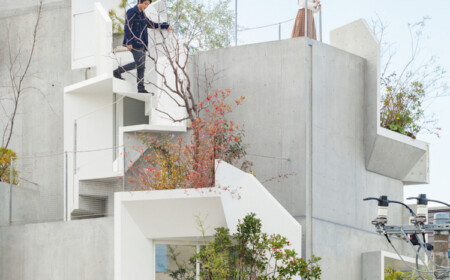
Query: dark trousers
column 139, row 63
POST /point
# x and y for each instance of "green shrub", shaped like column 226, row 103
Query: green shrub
column 5, row 166
column 252, row 254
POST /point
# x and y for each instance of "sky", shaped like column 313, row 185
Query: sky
column 397, row 14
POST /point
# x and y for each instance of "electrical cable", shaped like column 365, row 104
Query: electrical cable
column 414, row 249
column 437, row 201
column 264, row 26
column 430, row 257
column 62, row 153
column 417, row 263
column 99, row 109
column 398, row 254
column 401, row 257
column 401, row 203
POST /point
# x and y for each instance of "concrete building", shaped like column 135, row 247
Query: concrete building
column 311, row 110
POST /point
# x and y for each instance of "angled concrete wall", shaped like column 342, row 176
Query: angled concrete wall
column 62, row 250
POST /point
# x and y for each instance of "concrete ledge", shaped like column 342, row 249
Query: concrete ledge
column 400, row 157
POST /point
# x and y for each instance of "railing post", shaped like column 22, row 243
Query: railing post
column 279, row 31
column 75, row 147
column 320, row 23
column 115, row 149
column 66, row 189
column 124, row 169
column 11, row 178
column 306, row 19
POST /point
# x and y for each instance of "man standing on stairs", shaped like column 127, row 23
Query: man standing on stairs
column 136, row 41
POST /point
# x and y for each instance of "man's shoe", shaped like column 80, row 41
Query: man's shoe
column 143, row 91
column 117, row 75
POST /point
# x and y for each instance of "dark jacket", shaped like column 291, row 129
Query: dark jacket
column 136, row 24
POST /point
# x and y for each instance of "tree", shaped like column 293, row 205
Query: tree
column 170, row 53
column 215, row 27
column 174, row 163
column 407, row 91
column 20, row 61
column 252, row 254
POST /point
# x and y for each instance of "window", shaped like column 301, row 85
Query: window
column 174, row 261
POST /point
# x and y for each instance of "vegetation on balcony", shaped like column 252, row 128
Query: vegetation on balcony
column 408, row 90
column 175, row 162
column 247, row 254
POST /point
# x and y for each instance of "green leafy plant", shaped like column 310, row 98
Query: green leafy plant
column 402, row 108
column 212, row 21
column 407, row 91
column 5, row 166
column 252, row 254
column 118, row 21
column 392, row 274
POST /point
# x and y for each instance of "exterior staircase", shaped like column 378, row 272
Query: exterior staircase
column 105, row 118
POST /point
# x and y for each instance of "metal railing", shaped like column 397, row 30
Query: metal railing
column 278, row 29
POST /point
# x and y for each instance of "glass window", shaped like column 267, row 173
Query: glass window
column 174, row 261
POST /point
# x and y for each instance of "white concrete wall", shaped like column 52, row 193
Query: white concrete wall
column 174, row 215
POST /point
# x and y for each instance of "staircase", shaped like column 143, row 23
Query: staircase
column 114, row 116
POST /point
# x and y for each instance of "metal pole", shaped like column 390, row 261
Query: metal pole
column 306, row 18
column 320, row 24
column 197, row 263
column 66, row 194
column 124, row 169
column 75, row 147
column 115, row 151
column 11, row 178
column 235, row 22
column 279, row 31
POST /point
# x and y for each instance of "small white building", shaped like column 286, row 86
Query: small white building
column 143, row 220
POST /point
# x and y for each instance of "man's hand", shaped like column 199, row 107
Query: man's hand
column 129, row 47
column 170, row 28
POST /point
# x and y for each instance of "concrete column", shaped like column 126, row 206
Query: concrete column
column 440, row 254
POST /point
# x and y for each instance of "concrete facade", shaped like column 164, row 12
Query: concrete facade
column 312, row 126
column 305, row 115
column 76, row 250
column 25, row 204
column 39, row 124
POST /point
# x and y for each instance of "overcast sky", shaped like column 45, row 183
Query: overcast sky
column 398, row 13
